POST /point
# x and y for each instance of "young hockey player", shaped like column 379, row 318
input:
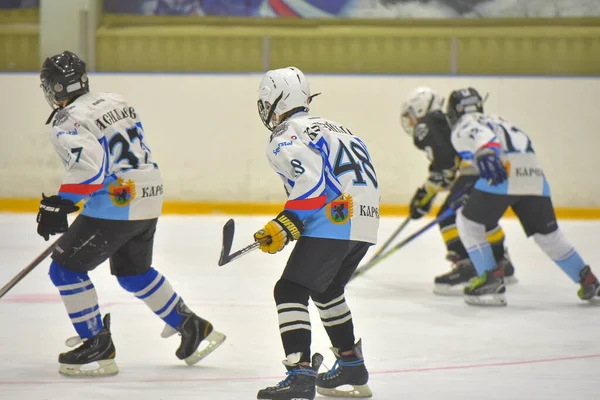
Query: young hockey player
column 333, row 213
column 510, row 177
column 109, row 168
column 423, row 119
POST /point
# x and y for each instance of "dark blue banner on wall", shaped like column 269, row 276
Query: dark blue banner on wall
column 359, row 8
column 6, row 4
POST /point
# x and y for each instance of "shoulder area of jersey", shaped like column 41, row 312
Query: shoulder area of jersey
column 67, row 114
column 468, row 119
column 291, row 128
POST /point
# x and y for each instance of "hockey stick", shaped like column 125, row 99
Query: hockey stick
column 390, row 240
column 27, row 269
column 364, row 268
column 226, row 255
column 452, row 209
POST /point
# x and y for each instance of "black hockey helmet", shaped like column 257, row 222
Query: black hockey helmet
column 461, row 102
column 63, row 77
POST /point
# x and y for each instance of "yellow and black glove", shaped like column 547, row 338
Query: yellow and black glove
column 420, row 205
column 279, row 232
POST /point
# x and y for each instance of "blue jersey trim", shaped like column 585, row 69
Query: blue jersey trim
column 314, row 189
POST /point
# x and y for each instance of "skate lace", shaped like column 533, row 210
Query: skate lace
column 297, row 371
column 336, row 369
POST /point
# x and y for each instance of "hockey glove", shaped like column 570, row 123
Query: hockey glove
column 421, row 202
column 490, row 166
column 279, row 232
column 52, row 217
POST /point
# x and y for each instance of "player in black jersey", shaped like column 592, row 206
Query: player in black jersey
column 423, row 119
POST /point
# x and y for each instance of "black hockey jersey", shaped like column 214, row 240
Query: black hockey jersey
column 432, row 135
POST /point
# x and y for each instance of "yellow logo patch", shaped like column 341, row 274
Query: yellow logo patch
column 122, row 193
column 341, row 209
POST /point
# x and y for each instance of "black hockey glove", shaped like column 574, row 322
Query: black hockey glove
column 421, row 202
column 52, row 217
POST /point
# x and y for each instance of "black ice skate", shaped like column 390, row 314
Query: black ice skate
column 487, row 290
column 509, row 270
column 452, row 283
column 299, row 383
column 347, row 370
column 98, row 351
column 194, row 332
column 590, row 287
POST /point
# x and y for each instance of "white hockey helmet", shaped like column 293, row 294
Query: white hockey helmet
column 281, row 91
column 420, row 102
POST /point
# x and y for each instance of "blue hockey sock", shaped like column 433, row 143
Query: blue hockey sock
column 483, row 258
column 158, row 294
column 572, row 265
column 473, row 236
column 556, row 246
column 80, row 298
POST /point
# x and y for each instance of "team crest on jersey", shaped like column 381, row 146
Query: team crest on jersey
column 60, row 117
column 341, row 209
column 122, row 193
column 421, row 131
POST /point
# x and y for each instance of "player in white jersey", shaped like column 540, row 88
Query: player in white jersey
column 510, row 177
column 332, row 212
column 423, row 119
column 110, row 172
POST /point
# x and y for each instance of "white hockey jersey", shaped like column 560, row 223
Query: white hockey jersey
column 329, row 177
column 525, row 176
column 100, row 139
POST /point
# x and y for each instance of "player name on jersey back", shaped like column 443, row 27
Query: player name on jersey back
column 322, row 164
column 100, row 139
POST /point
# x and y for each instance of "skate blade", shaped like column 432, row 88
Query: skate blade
column 494, row 300
column 104, row 368
column 510, row 280
column 354, row 391
column 443, row 289
column 207, row 346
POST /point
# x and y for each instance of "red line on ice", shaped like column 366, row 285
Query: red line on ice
column 260, row 378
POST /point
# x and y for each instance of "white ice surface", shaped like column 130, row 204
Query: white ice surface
column 544, row 345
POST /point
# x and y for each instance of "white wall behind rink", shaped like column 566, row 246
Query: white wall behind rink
column 206, row 136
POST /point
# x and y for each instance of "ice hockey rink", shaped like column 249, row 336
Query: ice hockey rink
column 544, row 345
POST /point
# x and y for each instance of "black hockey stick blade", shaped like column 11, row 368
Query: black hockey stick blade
column 226, row 255
column 228, row 232
column 13, row 282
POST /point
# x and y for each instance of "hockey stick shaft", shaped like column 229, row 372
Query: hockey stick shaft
column 364, row 268
column 457, row 202
column 13, row 282
column 390, row 240
column 242, row 252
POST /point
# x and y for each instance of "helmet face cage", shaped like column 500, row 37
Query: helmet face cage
column 266, row 112
column 407, row 120
column 49, row 93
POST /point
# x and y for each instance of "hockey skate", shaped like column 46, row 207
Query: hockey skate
column 487, row 290
column 509, row 270
column 590, row 287
column 95, row 357
column 299, row 383
column 452, row 283
column 347, row 371
column 198, row 337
